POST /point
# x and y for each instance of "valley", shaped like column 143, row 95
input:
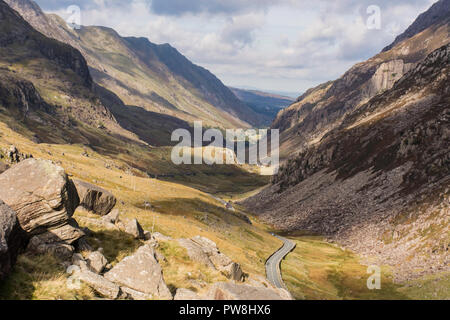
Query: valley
column 363, row 180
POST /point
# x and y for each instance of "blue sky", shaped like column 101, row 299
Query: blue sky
column 273, row 45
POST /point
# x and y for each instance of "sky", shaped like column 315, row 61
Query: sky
column 283, row 46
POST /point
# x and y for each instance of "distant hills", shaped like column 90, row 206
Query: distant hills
column 266, row 104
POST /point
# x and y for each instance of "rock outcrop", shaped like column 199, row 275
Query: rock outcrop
column 44, row 200
column 141, row 272
column 205, row 251
column 12, row 239
column 94, row 198
column 12, row 155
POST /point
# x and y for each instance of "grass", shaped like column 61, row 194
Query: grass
column 40, row 277
column 315, row 270
column 319, row 270
column 178, row 211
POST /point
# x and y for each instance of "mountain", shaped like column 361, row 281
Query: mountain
column 373, row 171
column 155, row 77
column 266, row 104
column 323, row 108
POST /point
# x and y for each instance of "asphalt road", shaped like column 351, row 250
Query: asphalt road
column 273, row 271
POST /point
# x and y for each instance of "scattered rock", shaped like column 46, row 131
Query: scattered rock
column 78, row 260
column 135, row 295
column 134, row 228
column 100, row 284
column 160, row 237
column 97, row 262
column 14, row 156
column 185, row 294
column 61, row 250
column 233, row 291
column 112, row 217
column 94, row 198
column 12, row 239
column 141, row 272
column 205, row 251
column 195, row 252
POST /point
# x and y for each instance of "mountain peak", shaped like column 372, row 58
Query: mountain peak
column 437, row 13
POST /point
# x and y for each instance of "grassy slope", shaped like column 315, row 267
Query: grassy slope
column 315, row 270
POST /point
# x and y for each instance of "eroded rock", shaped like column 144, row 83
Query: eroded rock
column 141, row 272
column 12, row 239
column 94, row 198
column 41, row 195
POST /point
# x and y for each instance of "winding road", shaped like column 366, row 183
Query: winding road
column 273, row 271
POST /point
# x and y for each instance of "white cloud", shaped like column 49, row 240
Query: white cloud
column 284, row 45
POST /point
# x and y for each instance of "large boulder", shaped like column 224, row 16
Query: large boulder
column 97, row 262
column 134, row 228
column 12, row 239
column 233, row 291
column 94, row 198
column 43, row 198
column 205, row 251
column 141, row 272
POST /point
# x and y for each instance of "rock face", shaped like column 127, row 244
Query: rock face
column 44, row 200
column 94, row 198
column 141, row 272
column 232, row 291
column 205, row 251
column 379, row 181
column 12, row 239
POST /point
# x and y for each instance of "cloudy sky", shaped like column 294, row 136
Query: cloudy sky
column 274, row 45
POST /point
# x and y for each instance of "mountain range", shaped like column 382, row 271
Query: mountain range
column 154, row 77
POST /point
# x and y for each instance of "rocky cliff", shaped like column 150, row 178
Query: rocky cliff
column 371, row 168
column 323, row 108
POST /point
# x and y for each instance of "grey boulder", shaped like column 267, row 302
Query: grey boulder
column 135, row 229
column 96, row 262
column 141, row 272
column 94, row 198
column 12, row 239
column 41, row 195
